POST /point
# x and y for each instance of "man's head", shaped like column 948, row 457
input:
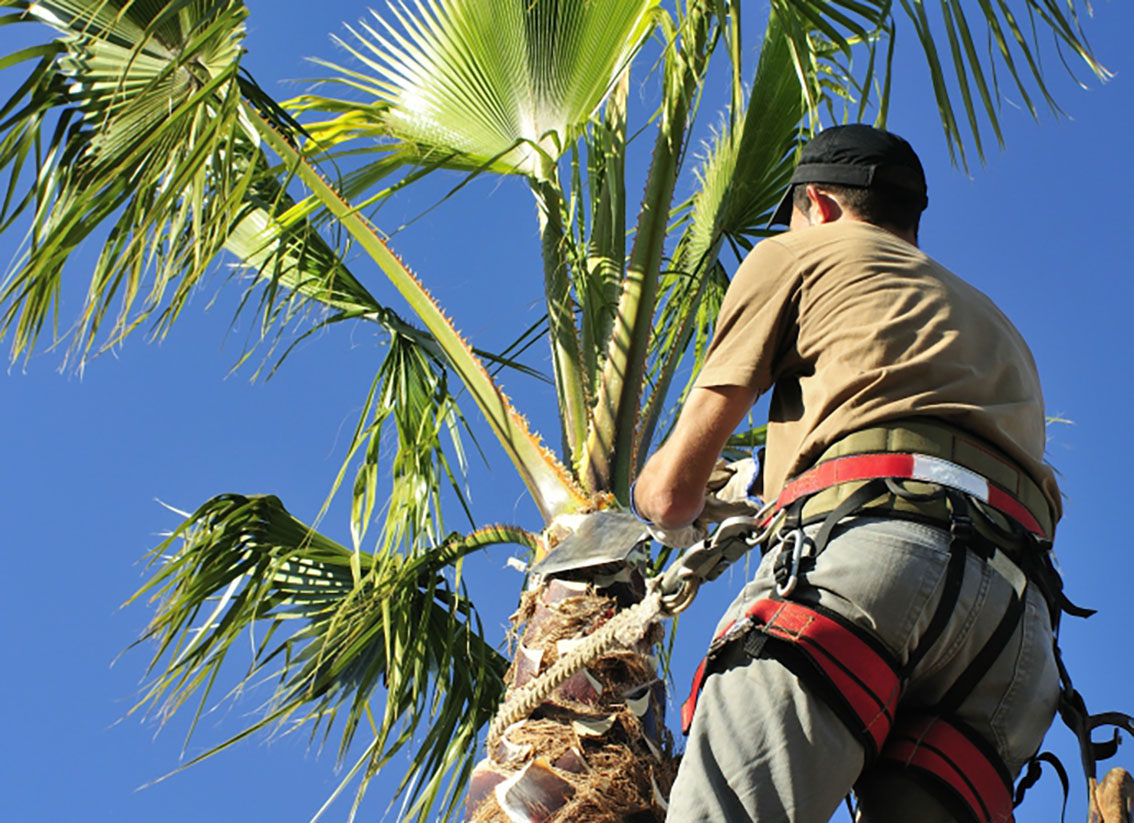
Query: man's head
column 861, row 172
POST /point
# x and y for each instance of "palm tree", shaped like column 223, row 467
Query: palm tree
column 138, row 126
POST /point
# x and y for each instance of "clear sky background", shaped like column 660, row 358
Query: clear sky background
column 1043, row 227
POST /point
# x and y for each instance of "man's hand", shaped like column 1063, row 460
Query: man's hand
column 726, row 493
column 681, row 537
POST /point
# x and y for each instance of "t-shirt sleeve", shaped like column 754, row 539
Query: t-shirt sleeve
column 756, row 316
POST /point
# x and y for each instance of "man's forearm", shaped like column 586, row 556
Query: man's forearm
column 670, row 491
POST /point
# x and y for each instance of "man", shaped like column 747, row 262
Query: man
column 895, row 639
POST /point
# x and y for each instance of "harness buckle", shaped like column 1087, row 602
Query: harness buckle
column 961, row 525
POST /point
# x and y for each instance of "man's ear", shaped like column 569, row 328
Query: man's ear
column 824, row 207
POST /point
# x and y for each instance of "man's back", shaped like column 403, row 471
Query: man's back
column 853, row 327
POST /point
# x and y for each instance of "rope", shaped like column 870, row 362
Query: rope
column 624, row 629
column 668, row 593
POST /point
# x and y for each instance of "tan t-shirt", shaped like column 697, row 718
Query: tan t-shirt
column 853, row 326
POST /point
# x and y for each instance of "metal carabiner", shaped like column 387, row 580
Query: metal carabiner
column 678, row 600
column 798, row 539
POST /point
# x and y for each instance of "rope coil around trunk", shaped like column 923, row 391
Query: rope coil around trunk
column 667, row 594
column 624, row 629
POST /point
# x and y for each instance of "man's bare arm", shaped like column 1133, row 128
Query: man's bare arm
column 670, row 491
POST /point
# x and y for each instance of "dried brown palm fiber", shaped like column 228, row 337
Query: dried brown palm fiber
column 1112, row 800
column 621, row 770
column 639, row 734
column 596, row 795
column 611, row 771
column 548, row 595
column 624, row 669
column 618, row 780
column 598, row 755
column 551, row 737
column 621, row 783
column 570, row 618
column 560, row 707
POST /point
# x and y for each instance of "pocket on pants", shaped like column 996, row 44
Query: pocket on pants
column 1027, row 706
column 882, row 574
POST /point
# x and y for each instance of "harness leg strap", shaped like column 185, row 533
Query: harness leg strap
column 844, row 665
column 953, row 762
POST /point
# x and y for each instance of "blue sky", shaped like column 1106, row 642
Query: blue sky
column 1043, row 227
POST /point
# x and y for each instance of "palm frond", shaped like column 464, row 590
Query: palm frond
column 961, row 67
column 334, row 628
column 278, row 245
column 540, row 71
column 741, row 178
column 132, row 118
column 598, row 273
column 550, row 484
column 100, row 99
column 608, row 457
column 282, row 251
column 409, row 392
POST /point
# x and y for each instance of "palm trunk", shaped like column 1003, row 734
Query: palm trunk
column 595, row 751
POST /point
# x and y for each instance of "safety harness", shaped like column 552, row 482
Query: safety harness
column 947, row 481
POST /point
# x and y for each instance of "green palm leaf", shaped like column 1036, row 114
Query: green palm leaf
column 180, row 170
column 410, row 391
column 612, row 441
column 500, row 86
column 339, row 627
column 485, row 83
column 549, row 483
column 148, row 137
column 741, row 179
column 176, row 188
column 813, row 27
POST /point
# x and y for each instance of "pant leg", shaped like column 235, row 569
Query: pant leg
column 895, row 798
column 1011, row 707
column 762, row 747
column 1013, row 702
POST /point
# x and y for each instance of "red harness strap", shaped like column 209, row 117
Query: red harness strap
column 865, row 682
column 906, row 467
column 955, row 760
column 860, row 682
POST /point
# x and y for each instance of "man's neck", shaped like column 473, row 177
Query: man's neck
column 908, row 235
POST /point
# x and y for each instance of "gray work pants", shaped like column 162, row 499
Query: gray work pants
column 764, row 748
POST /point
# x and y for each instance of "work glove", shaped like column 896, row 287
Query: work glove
column 682, row 537
column 726, row 493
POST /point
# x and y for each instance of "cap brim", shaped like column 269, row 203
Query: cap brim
column 782, row 215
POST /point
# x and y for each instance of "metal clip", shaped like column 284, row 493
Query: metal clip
column 678, row 599
column 703, row 561
column 798, row 540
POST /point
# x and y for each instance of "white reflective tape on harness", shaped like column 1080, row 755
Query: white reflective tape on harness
column 936, row 470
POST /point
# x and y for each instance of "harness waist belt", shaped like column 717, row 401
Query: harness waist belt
column 902, row 466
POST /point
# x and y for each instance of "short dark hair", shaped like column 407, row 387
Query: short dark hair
column 881, row 206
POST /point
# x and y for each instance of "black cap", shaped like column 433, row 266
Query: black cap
column 857, row 155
